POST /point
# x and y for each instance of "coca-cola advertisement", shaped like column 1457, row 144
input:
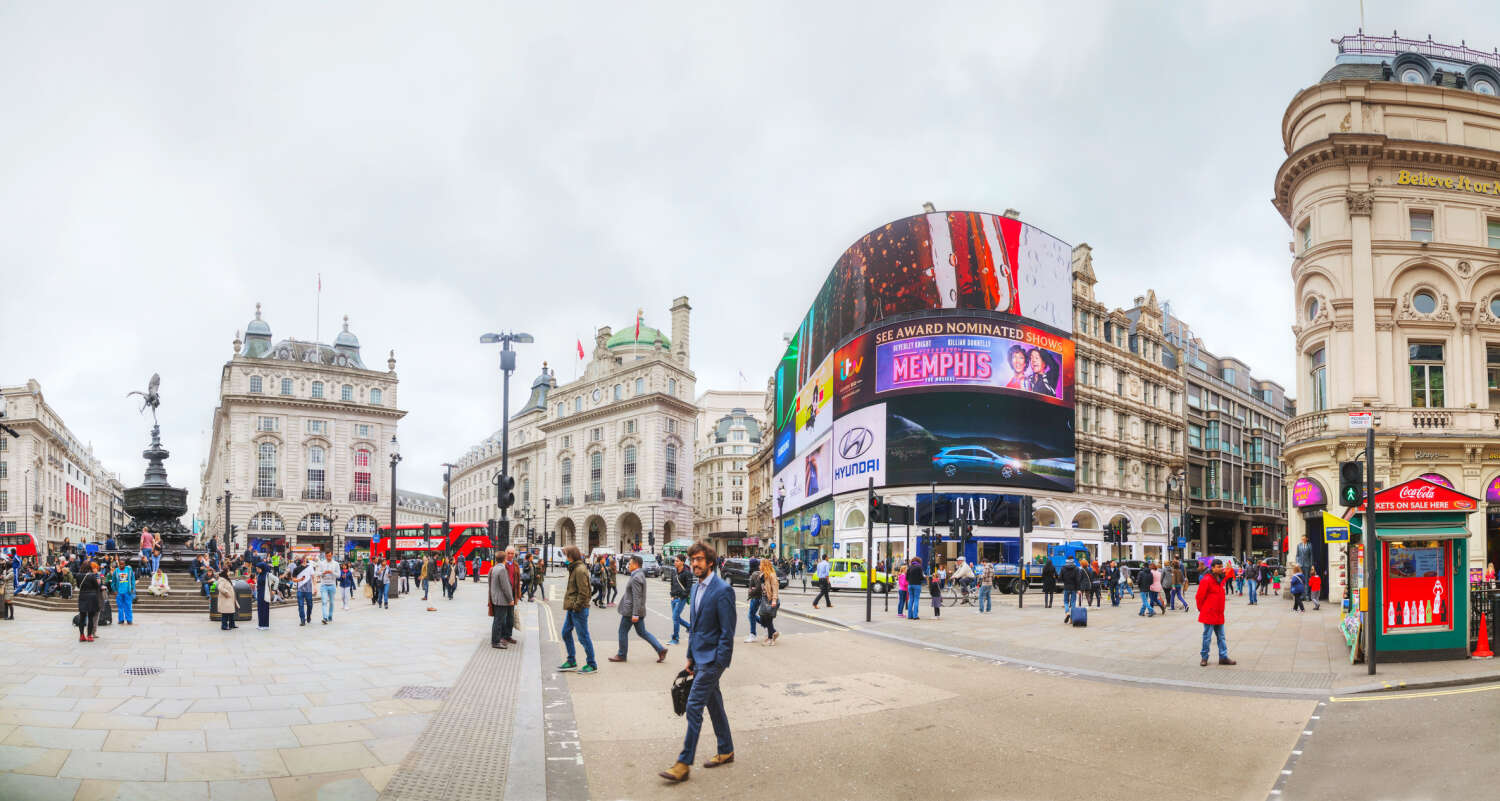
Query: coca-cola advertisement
column 1422, row 495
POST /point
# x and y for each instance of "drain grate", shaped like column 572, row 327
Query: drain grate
column 421, row 692
column 143, row 670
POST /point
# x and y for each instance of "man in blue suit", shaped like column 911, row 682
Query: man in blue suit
column 710, row 647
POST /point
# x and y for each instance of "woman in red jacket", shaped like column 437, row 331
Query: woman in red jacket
column 1211, row 611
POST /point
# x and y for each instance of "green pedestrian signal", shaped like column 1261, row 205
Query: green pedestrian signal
column 1351, row 482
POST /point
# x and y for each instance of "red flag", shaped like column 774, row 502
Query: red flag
column 580, row 349
column 638, row 314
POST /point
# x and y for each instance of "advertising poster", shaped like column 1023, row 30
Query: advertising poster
column 787, row 384
column 788, row 491
column 817, row 470
column 785, row 449
column 814, row 413
column 1045, row 289
column 979, row 508
column 853, row 371
column 979, row 438
column 1306, row 492
column 859, row 449
column 972, row 352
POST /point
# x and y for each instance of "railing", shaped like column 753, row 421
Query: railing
column 565, row 500
column 1431, row 418
column 316, row 495
column 358, row 496
column 628, row 494
column 1484, row 597
column 671, row 492
column 598, row 497
column 1306, row 426
column 266, row 492
column 1395, row 46
column 1335, row 422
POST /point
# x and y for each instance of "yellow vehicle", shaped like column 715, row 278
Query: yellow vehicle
column 851, row 574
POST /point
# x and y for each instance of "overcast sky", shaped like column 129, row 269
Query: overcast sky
column 452, row 169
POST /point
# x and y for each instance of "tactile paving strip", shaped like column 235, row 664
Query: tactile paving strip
column 465, row 749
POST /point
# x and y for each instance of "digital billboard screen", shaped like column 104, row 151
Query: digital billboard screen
column 933, row 323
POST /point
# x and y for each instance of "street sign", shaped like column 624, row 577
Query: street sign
column 1335, row 528
column 1182, row 542
column 1361, row 420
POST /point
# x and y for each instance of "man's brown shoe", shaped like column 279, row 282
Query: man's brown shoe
column 1202, row 663
column 617, row 658
column 677, row 773
column 719, row 759
column 1226, row 661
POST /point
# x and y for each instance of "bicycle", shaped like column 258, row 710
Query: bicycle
column 959, row 594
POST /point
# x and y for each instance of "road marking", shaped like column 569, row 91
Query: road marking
column 1430, row 694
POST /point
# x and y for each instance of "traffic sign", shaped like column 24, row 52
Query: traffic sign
column 1361, row 420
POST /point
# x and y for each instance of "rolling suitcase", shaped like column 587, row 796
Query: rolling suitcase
column 1080, row 616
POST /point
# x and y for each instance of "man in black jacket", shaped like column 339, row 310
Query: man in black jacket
column 681, row 579
column 1073, row 578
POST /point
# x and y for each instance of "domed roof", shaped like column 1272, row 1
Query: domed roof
column 626, row 336
column 258, row 327
column 346, row 339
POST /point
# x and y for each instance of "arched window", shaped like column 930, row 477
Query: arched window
column 315, row 522
column 640, row 386
column 629, row 473
column 317, row 488
column 671, row 484
column 1318, row 376
column 596, row 474
column 375, row 397
column 255, row 383
column 346, row 393
column 525, row 492
column 265, row 471
column 362, row 524
column 317, row 389
column 619, row 392
column 567, row 478
column 267, row 521
column 362, row 488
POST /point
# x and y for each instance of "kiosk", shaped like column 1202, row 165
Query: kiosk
column 1419, row 604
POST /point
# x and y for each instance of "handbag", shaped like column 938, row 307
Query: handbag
column 768, row 612
column 681, row 686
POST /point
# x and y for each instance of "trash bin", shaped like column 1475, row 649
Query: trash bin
column 244, row 600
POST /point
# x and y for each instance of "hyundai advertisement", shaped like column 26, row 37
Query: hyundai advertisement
column 937, row 349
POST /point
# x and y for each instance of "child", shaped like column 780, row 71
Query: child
column 1314, row 584
column 1296, row 588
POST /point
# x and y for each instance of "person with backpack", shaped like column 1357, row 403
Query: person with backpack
column 1252, row 580
column 1072, row 579
column 1210, row 598
column 1297, row 587
column 527, row 566
column 753, row 592
column 611, row 579
column 90, row 590
column 935, row 581
column 596, row 580
column 680, row 579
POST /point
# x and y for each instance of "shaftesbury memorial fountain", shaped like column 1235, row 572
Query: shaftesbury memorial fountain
column 155, row 504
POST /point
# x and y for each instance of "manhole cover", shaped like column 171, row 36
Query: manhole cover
column 430, row 693
column 144, row 670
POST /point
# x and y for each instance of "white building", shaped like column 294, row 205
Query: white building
column 53, row 472
column 602, row 461
column 729, row 427
column 301, row 439
column 415, row 508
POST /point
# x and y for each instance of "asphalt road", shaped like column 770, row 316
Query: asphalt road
column 844, row 715
column 1416, row 746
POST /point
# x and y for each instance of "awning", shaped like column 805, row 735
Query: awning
column 1386, row 533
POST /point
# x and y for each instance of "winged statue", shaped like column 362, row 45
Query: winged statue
column 151, row 398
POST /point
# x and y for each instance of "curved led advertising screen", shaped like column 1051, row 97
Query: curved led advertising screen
column 938, row 349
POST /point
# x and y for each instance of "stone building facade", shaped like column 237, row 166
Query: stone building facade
column 1391, row 189
column 301, row 439
column 604, row 461
column 729, row 432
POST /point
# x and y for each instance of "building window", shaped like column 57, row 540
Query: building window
column 1318, row 375
column 596, row 474
column 671, row 426
column 1119, row 382
column 1426, row 365
column 619, row 392
column 1494, row 232
column 286, row 386
column 265, row 470
column 1304, row 235
column 346, row 393
column 596, row 434
column 375, row 397
column 526, row 493
column 671, row 483
column 317, row 389
column 671, row 386
column 629, row 426
column 255, row 383
column 1424, row 302
column 267, row 521
column 640, row 386
column 578, row 404
column 567, row 478
column 362, row 475
column 1492, row 374
column 1421, row 226
column 266, row 424
column 316, row 487
column 317, row 427
column 4, row 501
column 362, row 430
column 560, row 409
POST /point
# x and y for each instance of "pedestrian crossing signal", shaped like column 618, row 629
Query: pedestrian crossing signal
column 1351, row 483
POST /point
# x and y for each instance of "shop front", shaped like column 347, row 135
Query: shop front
column 1492, row 522
column 994, row 522
column 808, row 533
column 1419, row 598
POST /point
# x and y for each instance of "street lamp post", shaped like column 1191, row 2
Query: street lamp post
column 228, row 498
column 332, row 516
column 652, row 539
column 546, row 537
column 507, row 366
column 395, row 460
column 448, row 493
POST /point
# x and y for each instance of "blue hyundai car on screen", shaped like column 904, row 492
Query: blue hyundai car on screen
column 972, row 460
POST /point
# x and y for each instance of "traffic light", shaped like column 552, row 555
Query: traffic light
column 651, row 539
column 1351, row 483
column 968, row 534
column 877, row 509
column 1124, row 531
column 1111, row 536
column 1028, row 514
column 504, row 497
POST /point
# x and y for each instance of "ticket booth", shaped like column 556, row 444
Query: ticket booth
column 1419, row 603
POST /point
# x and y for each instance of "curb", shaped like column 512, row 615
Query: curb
column 823, row 620
column 1401, row 686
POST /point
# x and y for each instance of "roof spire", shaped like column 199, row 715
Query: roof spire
column 257, row 310
column 346, row 322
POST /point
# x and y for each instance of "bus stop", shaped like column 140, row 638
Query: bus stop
column 1418, row 603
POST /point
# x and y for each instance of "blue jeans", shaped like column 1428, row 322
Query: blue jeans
column 1148, row 600
column 985, row 604
column 1252, row 590
column 126, row 603
column 640, row 628
column 155, row 561
column 328, row 590
column 913, row 602
column 425, row 582
column 1217, row 629
column 1070, row 597
column 385, row 593
column 578, row 620
column 304, row 606
column 705, row 693
column 754, row 609
column 678, row 604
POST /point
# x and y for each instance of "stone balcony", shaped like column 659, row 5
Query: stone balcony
column 1393, row 420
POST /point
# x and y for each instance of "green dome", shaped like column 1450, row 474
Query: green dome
column 626, row 336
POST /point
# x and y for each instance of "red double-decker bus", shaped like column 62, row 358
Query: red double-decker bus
column 23, row 543
column 465, row 541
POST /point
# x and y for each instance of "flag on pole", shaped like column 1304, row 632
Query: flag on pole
column 580, row 349
column 639, row 313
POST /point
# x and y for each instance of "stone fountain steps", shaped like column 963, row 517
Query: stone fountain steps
column 184, row 596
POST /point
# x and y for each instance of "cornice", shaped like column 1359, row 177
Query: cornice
column 1343, row 149
column 324, row 404
column 307, row 367
column 612, row 409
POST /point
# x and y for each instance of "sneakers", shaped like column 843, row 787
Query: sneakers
column 586, row 669
column 672, row 641
column 749, row 638
column 568, row 665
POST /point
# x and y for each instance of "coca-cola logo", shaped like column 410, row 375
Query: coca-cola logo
column 1417, row 493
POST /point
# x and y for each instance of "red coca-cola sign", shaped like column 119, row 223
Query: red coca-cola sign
column 1421, row 495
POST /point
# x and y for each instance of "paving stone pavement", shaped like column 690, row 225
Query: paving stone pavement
column 1278, row 651
column 291, row 713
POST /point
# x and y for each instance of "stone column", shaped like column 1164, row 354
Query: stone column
column 1359, row 203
